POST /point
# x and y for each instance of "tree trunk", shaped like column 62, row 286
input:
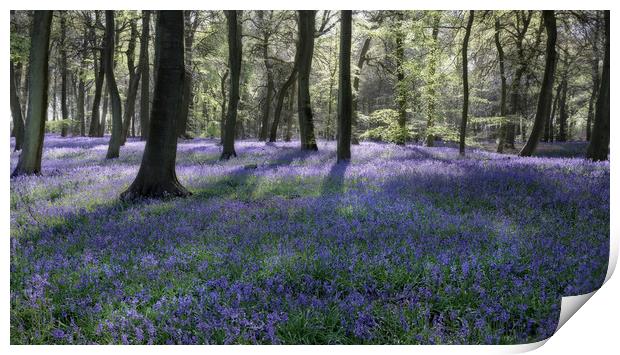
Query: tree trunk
column 401, row 89
column 288, row 84
column 157, row 175
column 30, row 157
column 542, row 110
column 356, row 85
column 345, row 100
column 144, row 75
column 553, row 111
column 234, row 58
column 598, row 149
column 595, row 83
column 134, row 80
column 563, row 118
column 16, row 112
column 304, row 103
column 190, row 31
column 223, row 106
column 432, row 82
column 470, row 21
column 502, row 74
column 115, row 99
column 264, row 130
column 104, row 112
column 63, row 74
column 290, row 110
column 95, row 124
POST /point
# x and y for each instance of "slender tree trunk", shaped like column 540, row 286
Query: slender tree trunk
column 30, row 158
column 290, row 112
column 432, row 82
column 115, row 99
column 401, row 89
column 356, row 85
column 546, row 89
column 470, row 21
column 63, row 74
column 304, row 103
column 16, row 112
column 144, row 75
column 264, row 130
column 234, row 57
column 104, row 113
column 190, row 30
column 553, row 111
column 157, row 175
column 345, row 99
column 134, row 81
column 595, row 83
column 223, row 106
column 288, row 85
column 562, row 108
column 502, row 74
column 598, row 149
column 95, row 124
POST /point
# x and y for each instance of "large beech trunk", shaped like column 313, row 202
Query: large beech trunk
column 598, row 149
column 345, row 100
column 234, row 57
column 157, row 175
column 304, row 104
column 115, row 99
column 30, row 158
column 546, row 89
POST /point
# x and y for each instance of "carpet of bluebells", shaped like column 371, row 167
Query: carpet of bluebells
column 403, row 245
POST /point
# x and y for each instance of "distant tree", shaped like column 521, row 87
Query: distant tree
column 546, row 88
column 157, row 175
column 432, row 69
column 63, row 72
column 192, row 20
column 401, row 88
column 95, row 124
column 16, row 112
column 115, row 99
column 470, row 21
column 304, row 104
column 502, row 75
column 234, row 59
column 134, row 80
column 345, row 104
column 144, row 74
column 356, row 85
column 30, row 158
column 599, row 143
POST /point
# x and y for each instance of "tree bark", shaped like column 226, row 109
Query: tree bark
column 431, row 94
column 470, row 21
column 598, row 149
column 595, row 83
column 345, row 100
column 223, row 105
column 542, row 110
column 30, row 158
column 16, row 112
column 356, row 85
column 63, row 74
column 563, row 113
column 190, row 31
column 115, row 99
column 95, row 124
column 157, row 175
column 304, row 104
column 234, row 58
column 144, row 75
column 502, row 74
column 264, row 130
column 134, row 80
column 401, row 89
column 104, row 112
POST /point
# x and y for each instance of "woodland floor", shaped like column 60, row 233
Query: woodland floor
column 403, row 245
